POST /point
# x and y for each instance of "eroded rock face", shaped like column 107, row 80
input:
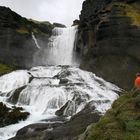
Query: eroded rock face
column 17, row 46
column 108, row 39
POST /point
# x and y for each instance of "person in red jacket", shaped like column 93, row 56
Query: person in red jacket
column 137, row 81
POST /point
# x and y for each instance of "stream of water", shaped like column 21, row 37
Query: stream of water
column 48, row 88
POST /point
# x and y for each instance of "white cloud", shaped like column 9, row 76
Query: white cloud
column 62, row 11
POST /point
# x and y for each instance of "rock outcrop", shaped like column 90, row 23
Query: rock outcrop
column 11, row 115
column 69, row 130
column 17, row 46
column 108, row 39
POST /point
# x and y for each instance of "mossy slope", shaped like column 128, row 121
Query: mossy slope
column 122, row 122
column 5, row 69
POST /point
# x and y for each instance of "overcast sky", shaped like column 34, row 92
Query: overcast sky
column 62, row 11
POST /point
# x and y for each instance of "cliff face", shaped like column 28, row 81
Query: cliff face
column 17, row 47
column 108, row 39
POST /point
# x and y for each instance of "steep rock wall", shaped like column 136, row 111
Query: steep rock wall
column 108, row 39
column 17, row 47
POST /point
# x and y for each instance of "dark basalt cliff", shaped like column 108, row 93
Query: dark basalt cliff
column 17, row 47
column 108, row 39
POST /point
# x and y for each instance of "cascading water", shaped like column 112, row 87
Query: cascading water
column 35, row 40
column 48, row 89
column 61, row 47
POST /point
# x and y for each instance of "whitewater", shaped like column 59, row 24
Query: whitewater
column 48, row 88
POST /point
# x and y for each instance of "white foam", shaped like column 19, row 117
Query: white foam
column 35, row 40
column 44, row 94
column 62, row 46
column 13, row 80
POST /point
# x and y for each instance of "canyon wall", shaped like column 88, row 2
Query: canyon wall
column 108, row 39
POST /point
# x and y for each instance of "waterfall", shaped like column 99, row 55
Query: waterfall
column 60, row 49
column 62, row 88
column 35, row 40
column 53, row 88
column 47, row 90
column 61, row 46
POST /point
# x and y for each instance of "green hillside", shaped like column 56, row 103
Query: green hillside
column 122, row 122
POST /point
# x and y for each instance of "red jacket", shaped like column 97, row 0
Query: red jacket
column 137, row 82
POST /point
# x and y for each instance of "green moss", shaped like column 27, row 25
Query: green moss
column 132, row 11
column 122, row 122
column 35, row 30
column 22, row 30
column 5, row 69
column 34, row 21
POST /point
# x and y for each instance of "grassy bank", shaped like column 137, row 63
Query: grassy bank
column 5, row 69
column 122, row 122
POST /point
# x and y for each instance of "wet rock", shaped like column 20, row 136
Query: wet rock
column 77, row 124
column 69, row 130
column 38, row 128
column 31, row 77
column 63, row 81
column 15, row 95
column 80, row 97
column 71, row 107
column 67, row 110
column 31, row 136
column 56, row 119
column 16, row 115
column 63, row 74
column 11, row 115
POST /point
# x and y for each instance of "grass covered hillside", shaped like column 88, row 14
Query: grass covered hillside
column 5, row 69
column 122, row 122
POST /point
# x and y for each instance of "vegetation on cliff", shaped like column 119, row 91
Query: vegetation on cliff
column 122, row 122
column 132, row 11
column 5, row 69
column 10, row 19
